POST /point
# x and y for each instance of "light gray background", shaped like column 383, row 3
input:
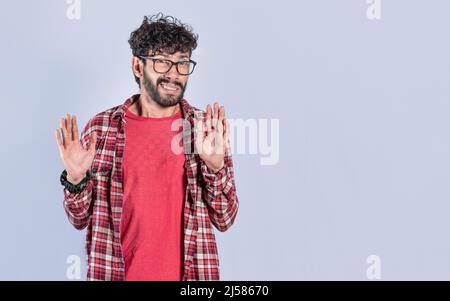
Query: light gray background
column 364, row 129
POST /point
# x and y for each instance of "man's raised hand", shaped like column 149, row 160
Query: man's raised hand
column 77, row 160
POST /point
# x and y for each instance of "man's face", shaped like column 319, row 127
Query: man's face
column 166, row 89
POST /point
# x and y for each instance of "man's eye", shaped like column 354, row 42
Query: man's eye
column 162, row 62
column 184, row 64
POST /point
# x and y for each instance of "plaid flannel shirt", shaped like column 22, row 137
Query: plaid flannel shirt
column 210, row 199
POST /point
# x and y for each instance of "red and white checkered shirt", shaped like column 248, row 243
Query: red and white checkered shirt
column 210, row 199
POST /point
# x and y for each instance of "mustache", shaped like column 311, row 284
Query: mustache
column 162, row 80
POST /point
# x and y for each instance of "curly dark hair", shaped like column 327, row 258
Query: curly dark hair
column 159, row 33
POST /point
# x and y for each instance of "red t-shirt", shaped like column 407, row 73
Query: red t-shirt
column 154, row 190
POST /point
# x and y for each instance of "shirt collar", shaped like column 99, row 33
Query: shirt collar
column 186, row 108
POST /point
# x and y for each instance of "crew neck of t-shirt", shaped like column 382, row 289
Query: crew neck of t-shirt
column 131, row 115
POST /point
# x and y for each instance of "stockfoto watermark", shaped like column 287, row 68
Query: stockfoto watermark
column 73, row 271
column 373, row 271
column 73, row 11
column 250, row 136
column 373, row 10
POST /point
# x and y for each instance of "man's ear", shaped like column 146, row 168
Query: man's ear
column 136, row 66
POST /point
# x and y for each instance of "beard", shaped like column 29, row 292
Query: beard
column 161, row 99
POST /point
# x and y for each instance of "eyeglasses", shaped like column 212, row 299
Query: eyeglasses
column 164, row 65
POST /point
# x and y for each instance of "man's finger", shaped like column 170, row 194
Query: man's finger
column 74, row 128
column 208, row 118
column 59, row 141
column 199, row 134
column 220, row 138
column 215, row 115
column 69, row 126
column 65, row 135
column 226, row 135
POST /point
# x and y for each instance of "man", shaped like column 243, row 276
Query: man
column 148, row 201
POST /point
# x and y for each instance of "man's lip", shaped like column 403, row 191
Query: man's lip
column 173, row 84
column 170, row 91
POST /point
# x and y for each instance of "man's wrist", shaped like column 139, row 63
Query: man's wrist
column 75, row 179
column 76, row 187
column 216, row 170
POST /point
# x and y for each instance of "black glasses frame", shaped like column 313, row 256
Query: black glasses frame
column 171, row 64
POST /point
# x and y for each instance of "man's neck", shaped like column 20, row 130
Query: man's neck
column 147, row 107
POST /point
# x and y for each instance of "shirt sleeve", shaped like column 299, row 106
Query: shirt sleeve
column 220, row 194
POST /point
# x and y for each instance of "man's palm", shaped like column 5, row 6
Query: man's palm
column 76, row 159
column 212, row 137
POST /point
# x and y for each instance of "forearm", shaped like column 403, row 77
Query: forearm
column 77, row 206
column 220, row 194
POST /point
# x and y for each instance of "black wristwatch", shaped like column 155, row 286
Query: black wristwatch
column 71, row 187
